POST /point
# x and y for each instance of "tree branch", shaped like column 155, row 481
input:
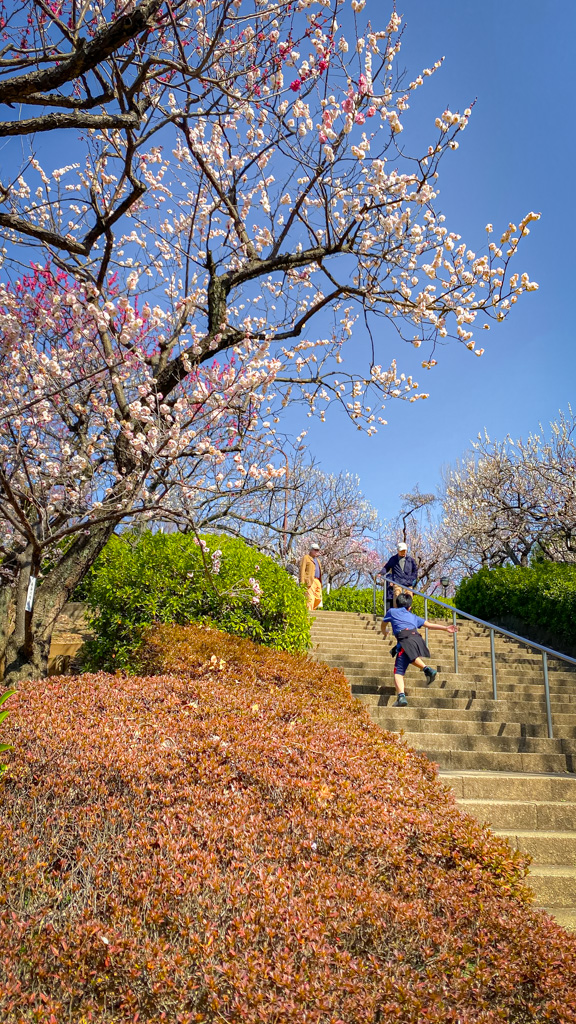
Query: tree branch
column 51, row 122
column 86, row 56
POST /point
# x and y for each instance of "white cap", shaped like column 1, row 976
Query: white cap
column 314, row 547
column 402, row 546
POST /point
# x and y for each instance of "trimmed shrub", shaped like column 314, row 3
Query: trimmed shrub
column 4, row 746
column 352, row 599
column 157, row 577
column 235, row 840
column 539, row 596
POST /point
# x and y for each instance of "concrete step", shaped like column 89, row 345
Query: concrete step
column 527, row 815
column 515, row 705
column 377, row 651
column 512, row 710
column 468, row 719
column 521, row 658
column 395, row 719
column 456, row 720
column 546, row 847
column 503, row 744
column 440, row 636
column 513, row 678
column 554, row 885
column 416, row 679
column 496, row 761
column 442, row 641
column 382, row 660
column 486, row 786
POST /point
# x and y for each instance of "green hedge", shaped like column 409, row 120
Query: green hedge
column 350, row 599
column 141, row 580
column 542, row 595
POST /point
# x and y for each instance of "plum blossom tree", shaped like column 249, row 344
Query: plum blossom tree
column 307, row 504
column 235, row 199
column 426, row 537
column 348, row 561
column 508, row 501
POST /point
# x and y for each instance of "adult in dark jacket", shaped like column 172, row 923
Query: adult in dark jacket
column 402, row 571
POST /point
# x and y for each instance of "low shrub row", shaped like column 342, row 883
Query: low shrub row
column 4, row 746
column 541, row 596
column 230, row 838
column 352, row 599
column 155, row 577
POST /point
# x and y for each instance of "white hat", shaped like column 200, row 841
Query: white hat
column 314, row 547
column 402, row 546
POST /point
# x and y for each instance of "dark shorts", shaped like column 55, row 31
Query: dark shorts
column 401, row 663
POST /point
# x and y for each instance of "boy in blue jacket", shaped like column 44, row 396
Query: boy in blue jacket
column 411, row 647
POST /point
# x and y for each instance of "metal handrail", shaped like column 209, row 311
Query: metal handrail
column 546, row 651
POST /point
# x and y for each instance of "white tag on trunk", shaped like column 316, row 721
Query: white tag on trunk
column 30, row 594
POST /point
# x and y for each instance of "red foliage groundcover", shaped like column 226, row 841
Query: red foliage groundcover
column 233, row 840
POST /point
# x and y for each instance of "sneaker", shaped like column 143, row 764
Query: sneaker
column 400, row 701
column 430, row 674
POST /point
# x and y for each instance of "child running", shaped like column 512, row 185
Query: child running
column 411, row 646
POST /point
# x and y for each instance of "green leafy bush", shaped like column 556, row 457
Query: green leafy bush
column 4, row 746
column 231, row 839
column 155, row 577
column 351, row 599
column 541, row 596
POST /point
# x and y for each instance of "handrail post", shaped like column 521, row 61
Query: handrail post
column 426, row 619
column 493, row 660
column 455, row 635
column 547, row 692
column 374, row 598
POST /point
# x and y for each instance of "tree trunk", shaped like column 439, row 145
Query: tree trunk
column 7, row 613
column 28, row 646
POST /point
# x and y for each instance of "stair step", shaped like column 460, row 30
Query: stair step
column 490, row 786
column 497, row 761
column 396, row 720
column 383, row 665
column 515, row 710
column 554, row 885
column 468, row 719
column 558, row 848
column 527, row 814
column 504, row 744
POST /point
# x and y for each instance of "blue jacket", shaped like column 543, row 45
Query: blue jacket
column 403, row 579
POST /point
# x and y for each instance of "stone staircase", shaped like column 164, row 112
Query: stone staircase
column 70, row 632
column 495, row 754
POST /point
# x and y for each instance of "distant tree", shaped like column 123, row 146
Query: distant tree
column 509, row 501
column 426, row 539
column 305, row 505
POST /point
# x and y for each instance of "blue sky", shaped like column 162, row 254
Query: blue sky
column 516, row 59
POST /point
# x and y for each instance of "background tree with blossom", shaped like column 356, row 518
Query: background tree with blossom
column 508, row 502
column 237, row 197
column 422, row 530
column 305, row 504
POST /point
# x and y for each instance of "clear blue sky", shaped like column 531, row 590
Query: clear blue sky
column 516, row 59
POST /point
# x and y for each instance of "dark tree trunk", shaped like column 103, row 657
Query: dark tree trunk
column 28, row 644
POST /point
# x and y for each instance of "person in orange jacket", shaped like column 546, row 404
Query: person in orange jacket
column 311, row 577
